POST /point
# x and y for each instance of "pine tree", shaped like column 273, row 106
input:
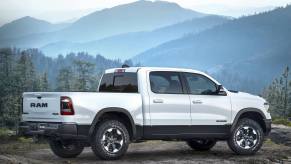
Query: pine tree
column 289, row 100
column 278, row 95
column 84, row 75
column 6, row 67
column 44, row 83
column 25, row 81
column 64, row 80
column 17, row 76
column 26, row 73
column 285, row 88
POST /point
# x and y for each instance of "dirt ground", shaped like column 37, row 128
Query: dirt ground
column 157, row 152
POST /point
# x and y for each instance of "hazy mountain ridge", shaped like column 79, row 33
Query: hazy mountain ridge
column 129, row 44
column 255, row 47
column 27, row 26
column 132, row 17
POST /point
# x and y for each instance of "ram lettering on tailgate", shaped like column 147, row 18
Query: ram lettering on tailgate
column 38, row 105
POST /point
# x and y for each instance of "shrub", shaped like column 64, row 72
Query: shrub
column 281, row 121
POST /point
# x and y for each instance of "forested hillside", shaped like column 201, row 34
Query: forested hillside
column 50, row 65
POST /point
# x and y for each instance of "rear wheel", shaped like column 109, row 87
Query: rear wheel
column 66, row 149
column 201, row 144
column 246, row 138
column 111, row 140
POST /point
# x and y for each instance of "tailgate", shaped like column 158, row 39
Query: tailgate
column 41, row 106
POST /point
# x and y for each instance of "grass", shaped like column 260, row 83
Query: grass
column 6, row 134
column 10, row 143
column 281, row 121
column 270, row 143
column 20, row 146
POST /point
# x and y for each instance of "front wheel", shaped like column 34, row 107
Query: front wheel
column 246, row 138
column 66, row 149
column 201, row 144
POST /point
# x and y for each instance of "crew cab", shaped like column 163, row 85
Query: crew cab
column 136, row 104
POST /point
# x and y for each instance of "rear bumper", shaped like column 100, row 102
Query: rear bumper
column 49, row 129
column 268, row 126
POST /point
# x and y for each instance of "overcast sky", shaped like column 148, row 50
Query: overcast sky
column 68, row 10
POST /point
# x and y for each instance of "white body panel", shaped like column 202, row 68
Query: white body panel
column 41, row 113
column 243, row 100
column 210, row 110
column 175, row 109
column 169, row 109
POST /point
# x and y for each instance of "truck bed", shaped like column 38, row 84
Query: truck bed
column 45, row 106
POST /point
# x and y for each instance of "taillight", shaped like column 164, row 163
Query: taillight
column 67, row 106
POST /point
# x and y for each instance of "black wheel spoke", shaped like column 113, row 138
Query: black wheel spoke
column 112, row 140
column 246, row 137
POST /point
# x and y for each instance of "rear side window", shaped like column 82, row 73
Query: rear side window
column 125, row 82
column 165, row 82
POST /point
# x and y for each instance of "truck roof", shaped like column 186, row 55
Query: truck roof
column 135, row 69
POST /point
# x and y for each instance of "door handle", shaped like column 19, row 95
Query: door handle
column 158, row 101
column 197, row 102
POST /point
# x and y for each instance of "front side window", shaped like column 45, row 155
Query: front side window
column 200, row 85
column 165, row 82
column 125, row 82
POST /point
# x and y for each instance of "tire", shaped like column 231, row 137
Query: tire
column 111, row 140
column 201, row 145
column 246, row 138
column 66, row 149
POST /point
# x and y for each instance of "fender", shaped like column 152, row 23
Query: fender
column 112, row 109
column 244, row 111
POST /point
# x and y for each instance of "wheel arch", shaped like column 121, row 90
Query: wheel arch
column 251, row 113
column 113, row 110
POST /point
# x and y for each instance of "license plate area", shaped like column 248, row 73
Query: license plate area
column 43, row 126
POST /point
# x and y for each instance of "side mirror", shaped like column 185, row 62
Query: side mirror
column 220, row 91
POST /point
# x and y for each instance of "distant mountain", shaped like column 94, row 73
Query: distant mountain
column 255, row 47
column 127, row 45
column 26, row 26
column 132, row 17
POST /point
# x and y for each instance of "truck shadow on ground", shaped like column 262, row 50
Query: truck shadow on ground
column 274, row 150
column 157, row 156
column 167, row 152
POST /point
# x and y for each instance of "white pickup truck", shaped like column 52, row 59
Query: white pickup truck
column 144, row 103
